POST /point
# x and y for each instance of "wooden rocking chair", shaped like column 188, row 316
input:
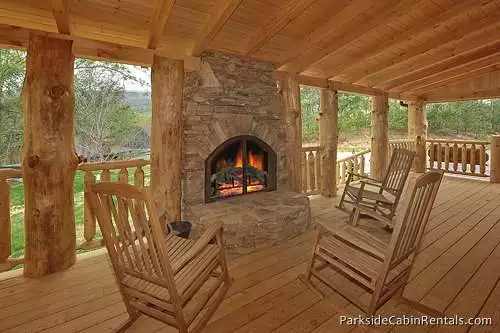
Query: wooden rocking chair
column 378, row 199
column 178, row 281
column 381, row 269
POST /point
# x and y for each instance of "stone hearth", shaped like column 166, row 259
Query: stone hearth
column 257, row 220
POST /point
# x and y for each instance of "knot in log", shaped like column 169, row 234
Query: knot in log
column 33, row 161
column 57, row 92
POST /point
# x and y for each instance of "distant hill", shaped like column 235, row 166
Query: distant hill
column 139, row 100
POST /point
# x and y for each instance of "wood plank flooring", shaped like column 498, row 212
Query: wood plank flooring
column 457, row 272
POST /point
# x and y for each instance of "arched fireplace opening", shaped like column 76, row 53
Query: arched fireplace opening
column 241, row 165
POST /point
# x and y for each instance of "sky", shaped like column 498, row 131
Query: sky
column 140, row 73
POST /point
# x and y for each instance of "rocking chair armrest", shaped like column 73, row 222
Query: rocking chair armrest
column 363, row 176
column 370, row 183
column 199, row 246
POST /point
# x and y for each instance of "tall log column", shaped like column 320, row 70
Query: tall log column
column 167, row 80
column 380, row 135
column 328, row 140
column 417, row 131
column 495, row 159
column 49, row 160
column 292, row 116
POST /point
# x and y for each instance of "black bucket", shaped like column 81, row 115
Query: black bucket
column 180, row 228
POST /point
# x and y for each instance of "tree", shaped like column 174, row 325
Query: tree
column 12, row 64
column 104, row 119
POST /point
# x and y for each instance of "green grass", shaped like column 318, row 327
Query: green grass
column 17, row 209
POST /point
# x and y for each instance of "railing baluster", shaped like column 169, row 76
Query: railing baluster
column 338, row 175
column 123, row 176
column 139, row 177
column 482, row 159
column 89, row 220
column 473, row 158
column 317, row 164
column 439, row 156
column 455, row 157
column 304, row 171
column 432, row 150
column 5, row 240
column 447, row 156
column 310, row 170
column 362, row 165
column 464, row 158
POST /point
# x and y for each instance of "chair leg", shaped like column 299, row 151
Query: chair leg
column 354, row 221
column 125, row 325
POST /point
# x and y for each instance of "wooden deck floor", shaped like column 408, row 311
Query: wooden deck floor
column 456, row 272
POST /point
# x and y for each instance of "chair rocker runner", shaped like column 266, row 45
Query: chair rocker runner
column 178, row 281
column 378, row 199
column 381, row 269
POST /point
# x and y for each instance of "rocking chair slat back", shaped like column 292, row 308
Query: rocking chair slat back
column 409, row 227
column 397, row 172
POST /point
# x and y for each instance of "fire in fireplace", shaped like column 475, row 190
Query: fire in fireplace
column 241, row 165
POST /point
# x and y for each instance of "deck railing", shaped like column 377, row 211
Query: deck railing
column 357, row 164
column 459, row 157
column 127, row 171
column 311, row 170
column 6, row 261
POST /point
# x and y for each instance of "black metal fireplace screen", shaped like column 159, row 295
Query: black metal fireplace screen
column 241, row 165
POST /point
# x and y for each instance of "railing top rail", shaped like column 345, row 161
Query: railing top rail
column 312, row 148
column 459, row 141
column 113, row 165
column 400, row 141
column 354, row 155
column 10, row 173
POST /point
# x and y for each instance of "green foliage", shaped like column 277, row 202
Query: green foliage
column 309, row 100
column 11, row 117
column 354, row 113
column 478, row 118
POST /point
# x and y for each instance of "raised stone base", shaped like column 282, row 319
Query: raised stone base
column 256, row 220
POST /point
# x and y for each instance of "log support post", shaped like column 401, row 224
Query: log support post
column 495, row 159
column 289, row 91
column 49, row 160
column 328, row 141
column 417, row 132
column 167, row 80
column 379, row 135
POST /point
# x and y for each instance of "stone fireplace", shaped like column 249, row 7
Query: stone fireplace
column 234, row 153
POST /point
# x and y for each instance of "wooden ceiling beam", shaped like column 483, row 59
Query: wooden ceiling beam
column 476, row 27
column 276, row 23
column 468, row 75
column 220, row 14
column 14, row 37
column 362, row 24
column 460, row 96
column 428, row 23
column 324, row 83
column 450, row 73
column 159, row 22
column 60, row 10
column 446, row 65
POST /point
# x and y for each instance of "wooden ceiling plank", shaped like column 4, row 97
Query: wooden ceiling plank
column 220, row 14
column 450, row 73
column 364, row 23
column 276, row 23
column 366, row 75
column 456, row 79
column 159, row 22
column 60, row 10
column 447, row 64
column 344, row 9
column 403, row 37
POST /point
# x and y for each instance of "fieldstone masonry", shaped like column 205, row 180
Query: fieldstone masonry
column 228, row 96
